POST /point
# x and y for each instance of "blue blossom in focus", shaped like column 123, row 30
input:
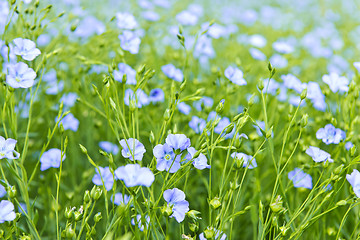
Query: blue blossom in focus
column 318, row 155
column 329, row 134
column 109, row 147
column 178, row 141
column 7, row 213
column 354, row 180
column 176, row 199
column 200, row 162
column 7, row 148
column 20, row 75
column 132, row 149
column 300, row 178
column 134, row 175
column 106, row 176
column 235, row 75
column 51, row 159
column 165, row 158
column 26, row 49
column 172, row 72
column 125, row 69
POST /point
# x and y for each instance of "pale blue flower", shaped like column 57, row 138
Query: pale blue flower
column 125, row 69
column 257, row 40
column 178, row 141
column 132, row 149
column 204, row 101
column 141, row 224
column 278, row 61
column 89, row 26
column 300, row 178
column 129, row 41
column 7, row 213
column 51, row 159
column 109, row 147
column 354, row 180
column 257, row 54
column 140, row 98
column 316, row 96
column 336, row 82
column 7, row 148
column 292, row 82
column 69, row 99
column 126, row 20
column 249, row 161
column 165, row 158
column 176, row 199
column 329, row 134
column 357, row 66
column 69, row 122
column 119, row 199
column 151, row 16
column 187, row 18
column 172, row 72
column 184, row 108
column 106, row 176
column 20, row 75
column 156, row 95
column 134, row 175
column 318, row 155
column 26, row 49
column 283, row 47
column 348, row 145
column 235, row 75
column 197, row 124
column 200, row 162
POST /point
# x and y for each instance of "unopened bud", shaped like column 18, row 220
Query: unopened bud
column 215, row 203
column 303, row 94
column 97, row 217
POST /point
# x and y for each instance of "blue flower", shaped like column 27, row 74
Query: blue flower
column 7, row 148
column 129, row 41
column 197, row 124
column 235, row 75
column 357, row 66
column 26, row 49
column 336, row 83
column 248, row 159
column 3, row 191
column 200, row 162
column 329, row 134
column 176, row 199
column 7, row 213
column 318, row 155
column 165, row 158
column 257, row 40
column 223, row 123
column 278, row 61
column 172, row 72
column 283, row 47
column 69, row 122
column 69, row 99
column 187, row 18
column 140, row 98
column 141, row 225
column 257, row 54
column 156, row 95
column 109, row 147
column 20, row 75
column 132, row 149
column 126, row 21
column 219, row 235
column 125, row 69
column 271, row 86
column 178, row 141
column 89, row 26
column 106, row 176
column 51, row 158
column 204, row 101
column 348, row 145
column 119, row 199
column 292, row 82
column 300, row 179
column 150, row 16
column 204, row 48
column 354, row 180
column 184, row 108
column 134, row 175
column 316, row 96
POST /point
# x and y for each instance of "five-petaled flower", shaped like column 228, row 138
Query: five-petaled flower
column 330, row 134
column 7, row 212
column 199, row 162
column 51, row 158
column 300, row 178
column 354, row 180
column 20, row 75
column 105, row 176
column 176, row 199
column 132, row 149
column 134, row 175
column 26, row 49
column 7, row 148
column 318, row 155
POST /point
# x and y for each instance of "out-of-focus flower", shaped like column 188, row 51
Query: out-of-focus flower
column 187, row 18
column 184, row 108
column 336, row 82
column 235, row 75
column 200, row 162
column 249, row 161
column 106, row 176
column 318, row 155
column 132, row 149
column 156, row 95
column 354, row 180
column 69, row 122
column 172, row 72
column 140, row 98
column 126, row 20
column 197, row 124
column 300, row 178
column 119, row 199
column 134, row 175
column 51, row 158
column 129, row 41
column 109, row 147
column 125, row 69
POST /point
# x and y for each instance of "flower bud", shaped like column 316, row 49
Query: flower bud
column 303, row 94
column 182, row 86
column 83, row 149
column 194, row 227
column 166, row 210
column 97, row 217
column 96, row 193
column 304, row 120
column 193, row 214
column 215, row 203
column 69, row 213
column 352, row 151
column 251, row 100
column 209, row 232
column 152, row 137
column 69, row 232
column 167, row 114
column 220, row 107
column 341, row 203
column 87, row 197
column 269, row 132
column 229, row 128
column 261, row 85
column 12, row 191
column 132, row 105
